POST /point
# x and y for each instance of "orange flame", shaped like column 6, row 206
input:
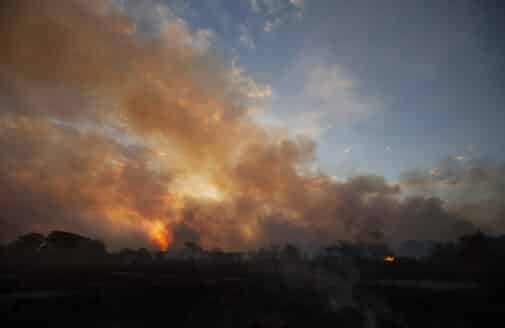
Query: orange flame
column 160, row 236
column 389, row 259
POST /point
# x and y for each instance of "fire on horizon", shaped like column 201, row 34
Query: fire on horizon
column 389, row 259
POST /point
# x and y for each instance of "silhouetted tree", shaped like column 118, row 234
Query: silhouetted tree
column 29, row 243
column 193, row 247
column 142, row 256
column 25, row 250
column 474, row 245
column 292, row 252
column 66, row 248
column 33, row 238
column 475, row 251
column 63, row 240
column 444, row 251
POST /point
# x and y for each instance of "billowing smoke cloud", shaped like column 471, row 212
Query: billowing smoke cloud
column 473, row 189
column 128, row 131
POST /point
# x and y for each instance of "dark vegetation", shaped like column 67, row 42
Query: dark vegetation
column 64, row 279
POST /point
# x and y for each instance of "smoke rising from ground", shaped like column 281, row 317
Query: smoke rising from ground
column 112, row 128
column 473, row 189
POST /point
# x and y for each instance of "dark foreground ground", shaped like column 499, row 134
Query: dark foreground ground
column 193, row 294
column 181, row 295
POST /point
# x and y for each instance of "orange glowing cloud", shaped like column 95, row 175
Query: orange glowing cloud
column 104, row 130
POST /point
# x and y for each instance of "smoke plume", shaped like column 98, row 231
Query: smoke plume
column 473, row 189
column 134, row 133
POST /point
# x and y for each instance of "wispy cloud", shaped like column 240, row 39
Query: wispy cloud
column 203, row 39
column 316, row 87
column 273, row 7
column 255, row 6
column 332, row 91
column 270, row 25
column 247, row 85
column 298, row 3
column 246, row 38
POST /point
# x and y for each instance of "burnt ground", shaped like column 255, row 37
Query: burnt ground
column 427, row 307
column 430, row 294
column 192, row 294
column 176, row 294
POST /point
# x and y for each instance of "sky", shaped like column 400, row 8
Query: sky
column 239, row 124
column 384, row 86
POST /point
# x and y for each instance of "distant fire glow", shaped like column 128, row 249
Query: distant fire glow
column 160, row 236
column 389, row 259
